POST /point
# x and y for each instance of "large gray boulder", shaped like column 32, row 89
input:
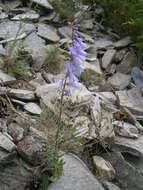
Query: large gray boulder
column 76, row 176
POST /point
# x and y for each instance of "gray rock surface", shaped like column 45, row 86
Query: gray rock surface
column 5, row 78
column 33, row 108
column 137, row 75
column 6, row 143
column 48, row 32
column 43, row 3
column 110, row 186
column 29, row 16
column 108, row 58
column 76, row 176
column 123, row 42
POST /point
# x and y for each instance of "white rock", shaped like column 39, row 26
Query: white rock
column 6, row 143
column 43, row 3
column 125, row 129
column 108, row 58
column 104, row 169
column 94, row 66
column 30, row 16
column 5, row 78
column 33, row 108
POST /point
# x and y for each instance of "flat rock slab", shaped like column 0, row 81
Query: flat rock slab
column 2, row 51
column 123, row 43
column 5, row 78
column 132, row 100
column 65, row 32
column 94, row 66
column 119, row 80
column 33, row 108
column 76, row 176
column 21, row 94
column 110, row 186
column 48, row 32
column 29, row 16
column 108, row 58
column 132, row 146
column 43, row 3
column 6, row 143
column 137, row 75
column 9, row 29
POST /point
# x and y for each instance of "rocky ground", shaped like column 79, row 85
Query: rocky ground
column 108, row 108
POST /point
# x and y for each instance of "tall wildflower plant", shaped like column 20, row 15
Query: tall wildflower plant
column 73, row 71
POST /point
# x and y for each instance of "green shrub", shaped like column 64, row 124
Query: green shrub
column 125, row 16
column 65, row 8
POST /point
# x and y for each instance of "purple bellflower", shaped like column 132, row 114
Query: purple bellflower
column 74, row 67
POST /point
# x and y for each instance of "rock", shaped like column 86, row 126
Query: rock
column 75, row 176
column 48, row 32
column 47, row 18
column 103, row 168
column 38, row 81
column 120, row 55
column 132, row 100
column 15, row 175
column 65, row 32
column 29, row 16
column 33, row 108
column 120, row 81
column 103, row 43
column 3, row 15
column 107, row 97
column 6, row 143
column 94, row 66
column 43, row 3
column 123, row 43
column 126, row 174
column 32, row 146
column 127, row 145
column 21, row 94
column 110, row 186
column 36, row 46
column 2, row 51
column 87, row 38
column 9, row 29
column 83, row 128
column 128, row 62
column 6, row 157
column 125, row 129
column 137, row 75
column 11, row 4
column 108, row 58
column 15, row 131
column 5, row 78
column 87, row 24
column 96, row 111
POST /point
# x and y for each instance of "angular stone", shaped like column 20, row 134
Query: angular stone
column 33, row 108
column 21, row 94
column 120, row 55
column 65, row 32
column 29, row 16
column 128, row 62
column 126, row 175
column 48, row 32
column 137, row 75
column 110, row 186
column 76, row 176
column 127, row 145
column 87, row 24
column 120, row 81
column 125, row 129
column 9, row 29
column 107, row 97
column 6, row 143
column 132, row 100
column 94, row 66
column 123, row 43
column 38, row 81
column 108, row 58
column 102, row 43
column 5, row 78
column 32, row 146
column 103, row 168
column 15, row 131
column 43, row 3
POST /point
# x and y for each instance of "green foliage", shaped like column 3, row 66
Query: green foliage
column 89, row 2
column 66, row 9
column 125, row 16
column 16, row 64
column 52, row 61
